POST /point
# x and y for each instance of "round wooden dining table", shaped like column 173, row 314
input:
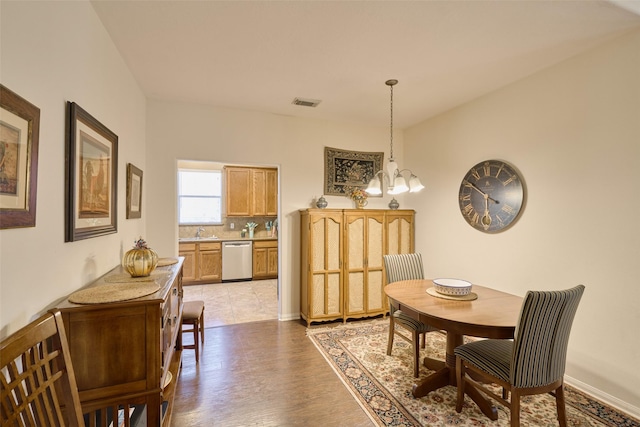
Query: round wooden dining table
column 493, row 314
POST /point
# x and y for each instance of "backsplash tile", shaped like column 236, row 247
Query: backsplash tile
column 224, row 231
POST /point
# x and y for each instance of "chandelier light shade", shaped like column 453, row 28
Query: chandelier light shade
column 414, row 184
column 393, row 176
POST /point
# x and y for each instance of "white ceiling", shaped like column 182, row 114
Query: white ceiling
column 260, row 55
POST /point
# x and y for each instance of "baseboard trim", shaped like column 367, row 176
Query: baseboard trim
column 290, row 316
column 606, row 398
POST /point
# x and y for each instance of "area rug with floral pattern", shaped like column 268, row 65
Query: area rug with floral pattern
column 382, row 384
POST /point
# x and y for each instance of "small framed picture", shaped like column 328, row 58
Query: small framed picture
column 134, row 192
column 91, row 177
column 19, row 134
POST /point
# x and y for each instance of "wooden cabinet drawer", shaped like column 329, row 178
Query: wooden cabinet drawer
column 209, row 246
column 186, row 247
column 265, row 243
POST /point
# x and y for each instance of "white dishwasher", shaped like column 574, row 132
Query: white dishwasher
column 237, row 260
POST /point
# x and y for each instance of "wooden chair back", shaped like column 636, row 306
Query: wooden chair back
column 37, row 383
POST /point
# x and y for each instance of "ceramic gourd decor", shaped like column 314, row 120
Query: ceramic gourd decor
column 141, row 260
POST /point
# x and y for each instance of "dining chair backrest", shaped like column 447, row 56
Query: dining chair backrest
column 37, row 381
column 403, row 267
column 542, row 335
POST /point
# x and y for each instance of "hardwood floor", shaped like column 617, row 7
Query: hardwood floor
column 265, row 373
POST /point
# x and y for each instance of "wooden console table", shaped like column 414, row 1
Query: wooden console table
column 127, row 354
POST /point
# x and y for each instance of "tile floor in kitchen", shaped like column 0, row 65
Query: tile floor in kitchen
column 236, row 302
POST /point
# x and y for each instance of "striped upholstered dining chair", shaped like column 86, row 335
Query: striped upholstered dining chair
column 533, row 362
column 406, row 267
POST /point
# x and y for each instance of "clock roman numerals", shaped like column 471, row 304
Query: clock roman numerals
column 508, row 209
column 467, row 209
column 487, row 169
column 475, row 218
column 509, row 180
column 491, row 196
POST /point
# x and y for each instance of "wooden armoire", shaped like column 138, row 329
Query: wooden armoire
column 342, row 269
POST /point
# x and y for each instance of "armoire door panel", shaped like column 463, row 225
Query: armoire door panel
column 318, row 246
column 375, row 292
column 393, row 237
column 318, row 307
column 356, row 292
column 356, row 244
column 334, row 302
column 333, row 244
column 375, row 248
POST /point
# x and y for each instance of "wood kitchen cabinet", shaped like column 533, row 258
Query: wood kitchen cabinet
column 342, row 267
column 265, row 259
column 251, row 191
column 190, row 268
column 203, row 262
column 271, row 195
column 210, row 262
column 127, row 354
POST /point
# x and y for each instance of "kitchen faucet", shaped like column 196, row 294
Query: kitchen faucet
column 200, row 230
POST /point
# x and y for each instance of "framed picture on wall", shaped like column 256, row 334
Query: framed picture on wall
column 91, row 177
column 19, row 135
column 134, row 192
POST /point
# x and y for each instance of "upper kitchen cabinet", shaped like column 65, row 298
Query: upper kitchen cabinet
column 265, row 192
column 251, row 191
column 239, row 182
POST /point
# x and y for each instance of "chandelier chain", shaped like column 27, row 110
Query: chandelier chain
column 391, row 126
column 398, row 180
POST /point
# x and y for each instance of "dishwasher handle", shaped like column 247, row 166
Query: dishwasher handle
column 237, row 244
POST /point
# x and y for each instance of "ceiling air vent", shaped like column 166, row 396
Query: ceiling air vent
column 306, row 102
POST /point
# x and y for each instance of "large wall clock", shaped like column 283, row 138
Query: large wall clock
column 491, row 196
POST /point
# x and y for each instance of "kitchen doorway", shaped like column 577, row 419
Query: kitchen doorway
column 207, row 221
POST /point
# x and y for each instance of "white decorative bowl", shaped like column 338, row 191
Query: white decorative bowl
column 454, row 287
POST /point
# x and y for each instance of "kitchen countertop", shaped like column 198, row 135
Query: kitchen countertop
column 220, row 239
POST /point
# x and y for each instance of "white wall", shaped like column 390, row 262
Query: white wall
column 51, row 53
column 573, row 131
column 295, row 146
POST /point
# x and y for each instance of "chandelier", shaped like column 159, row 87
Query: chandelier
column 395, row 178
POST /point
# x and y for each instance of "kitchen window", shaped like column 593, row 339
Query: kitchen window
column 199, row 196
